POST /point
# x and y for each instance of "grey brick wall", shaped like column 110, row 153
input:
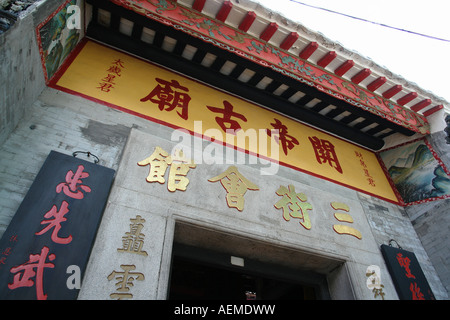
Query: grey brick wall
column 431, row 220
column 21, row 75
column 392, row 222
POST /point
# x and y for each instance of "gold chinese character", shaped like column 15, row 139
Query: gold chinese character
column 134, row 240
column 178, row 171
column 294, row 205
column 344, row 217
column 236, row 186
column 160, row 160
column 125, row 280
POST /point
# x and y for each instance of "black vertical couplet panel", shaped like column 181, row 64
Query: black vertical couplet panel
column 51, row 235
column 406, row 273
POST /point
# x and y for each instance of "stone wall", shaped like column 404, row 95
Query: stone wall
column 21, row 75
column 431, row 220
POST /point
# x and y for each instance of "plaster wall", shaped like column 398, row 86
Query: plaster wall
column 21, row 76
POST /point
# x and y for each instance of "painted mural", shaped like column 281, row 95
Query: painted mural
column 417, row 172
column 58, row 35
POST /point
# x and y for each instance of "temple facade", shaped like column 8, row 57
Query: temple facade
column 206, row 149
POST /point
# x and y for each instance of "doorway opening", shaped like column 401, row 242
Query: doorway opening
column 212, row 264
column 196, row 280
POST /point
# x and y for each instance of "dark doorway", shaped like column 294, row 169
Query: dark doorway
column 194, row 280
column 206, row 274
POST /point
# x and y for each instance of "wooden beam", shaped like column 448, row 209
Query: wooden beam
column 309, row 50
column 392, row 91
column 344, row 67
column 327, row 58
column 224, row 11
column 289, row 40
column 407, row 98
column 268, row 31
column 375, row 84
column 360, row 76
column 247, row 22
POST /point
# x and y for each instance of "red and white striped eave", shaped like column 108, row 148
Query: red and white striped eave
column 235, row 14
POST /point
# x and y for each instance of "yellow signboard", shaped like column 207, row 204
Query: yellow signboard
column 139, row 87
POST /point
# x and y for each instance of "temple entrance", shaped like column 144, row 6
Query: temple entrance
column 194, row 280
column 209, row 264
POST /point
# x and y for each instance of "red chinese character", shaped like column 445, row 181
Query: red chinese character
column 105, row 87
column 119, row 63
column 362, row 163
column 164, row 95
column 25, row 272
column 227, row 112
column 325, row 152
column 7, row 251
column 109, row 79
column 56, row 223
column 415, row 290
column 115, row 69
column 287, row 141
column 404, row 262
column 73, row 184
column 371, row 181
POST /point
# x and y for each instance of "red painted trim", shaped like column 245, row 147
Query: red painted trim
column 327, row 58
column 289, row 40
column 433, row 110
column 268, row 31
column 224, row 11
column 246, row 23
column 392, row 91
column 375, row 84
column 309, row 50
column 407, row 98
column 343, row 68
column 420, row 105
column 360, row 76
